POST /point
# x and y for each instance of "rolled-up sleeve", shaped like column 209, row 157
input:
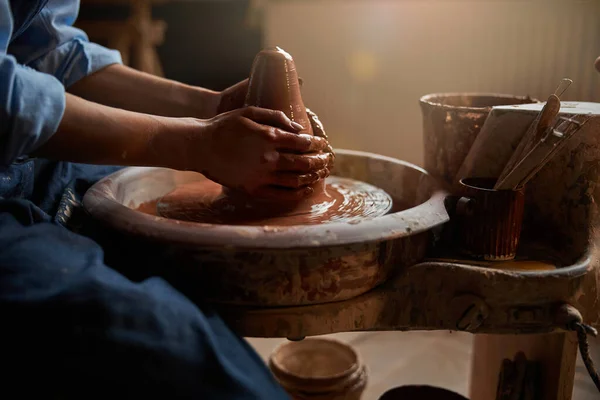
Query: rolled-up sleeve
column 32, row 105
column 52, row 45
column 35, row 67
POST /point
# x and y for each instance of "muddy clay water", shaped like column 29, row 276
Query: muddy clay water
column 204, row 201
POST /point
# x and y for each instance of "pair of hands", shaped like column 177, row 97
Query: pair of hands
column 259, row 151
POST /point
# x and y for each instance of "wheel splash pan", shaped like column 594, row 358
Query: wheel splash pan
column 275, row 266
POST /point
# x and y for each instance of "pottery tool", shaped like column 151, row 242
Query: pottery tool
column 563, row 86
column 538, row 129
column 541, row 141
column 541, row 152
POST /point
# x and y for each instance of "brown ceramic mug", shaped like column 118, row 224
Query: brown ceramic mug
column 489, row 221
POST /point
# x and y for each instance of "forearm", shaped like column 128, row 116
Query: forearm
column 123, row 87
column 91, row 133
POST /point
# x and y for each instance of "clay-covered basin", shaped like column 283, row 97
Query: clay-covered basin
column 451, row 122
column 270, row 265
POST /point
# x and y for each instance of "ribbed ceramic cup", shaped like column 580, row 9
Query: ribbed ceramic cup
column 319, row 369
column 489, row 221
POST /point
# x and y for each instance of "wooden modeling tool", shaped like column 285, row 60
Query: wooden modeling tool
column 545, row 136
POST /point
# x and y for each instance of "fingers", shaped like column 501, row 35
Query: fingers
column 292, row 142
column 597, row 64
column 285, row 137
column 273, row 118
column 280, row 146
column 302, row 163
column 316, row 124
column 233, row 97
column 296, row 181
column 318, row 130
column 241, row 87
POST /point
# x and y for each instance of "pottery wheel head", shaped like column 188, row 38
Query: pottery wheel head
column 345, row 200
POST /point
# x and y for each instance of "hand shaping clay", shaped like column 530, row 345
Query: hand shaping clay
column 274, row 85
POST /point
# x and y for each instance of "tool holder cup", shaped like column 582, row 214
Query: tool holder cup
column 488, row 221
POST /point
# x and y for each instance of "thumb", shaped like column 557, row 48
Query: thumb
column 233, row 97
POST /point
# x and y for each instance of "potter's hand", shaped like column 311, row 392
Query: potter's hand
column 260, row 152
column 233, row 97
column 319, row 130
column 598, row 64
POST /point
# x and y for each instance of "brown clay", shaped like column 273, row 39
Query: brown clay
column 274, row 85
column 346, row 200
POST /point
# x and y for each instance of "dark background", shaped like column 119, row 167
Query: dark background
column 207, row 43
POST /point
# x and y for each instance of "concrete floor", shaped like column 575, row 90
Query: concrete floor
column 435, row 358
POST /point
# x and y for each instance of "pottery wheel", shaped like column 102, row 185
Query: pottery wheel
column 344, row 200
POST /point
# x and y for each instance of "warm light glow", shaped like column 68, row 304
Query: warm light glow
column 363, row 66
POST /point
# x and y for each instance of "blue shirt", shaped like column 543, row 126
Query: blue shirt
column 41, row 54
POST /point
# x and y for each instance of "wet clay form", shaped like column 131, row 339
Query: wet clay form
column 274, row 85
